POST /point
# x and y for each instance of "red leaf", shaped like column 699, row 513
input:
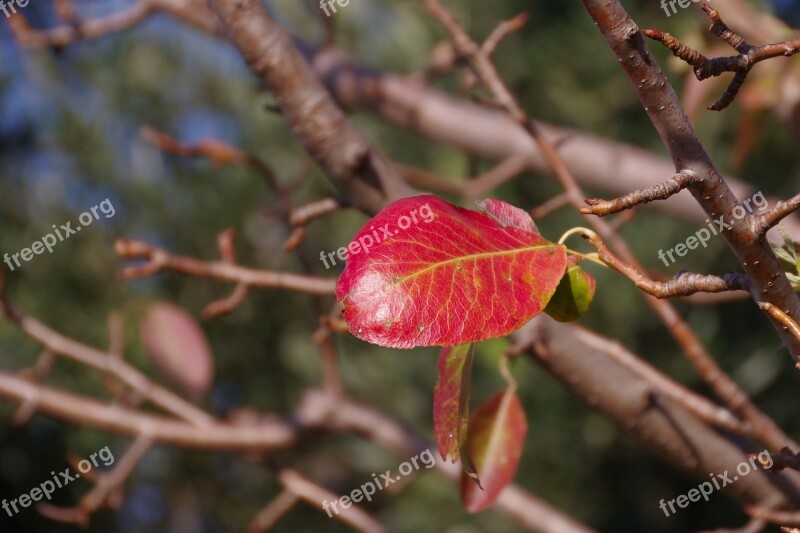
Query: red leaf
column 454, row 277
column 178, row 348
column 507, row 214
column 451, row 399
column 496, row 437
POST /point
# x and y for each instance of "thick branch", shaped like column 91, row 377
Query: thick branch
column 484, row 132
column 581, row 361
column 264, row 435
column 318, row 409
column 763, row 426
column 768, row 281
column 347, row 156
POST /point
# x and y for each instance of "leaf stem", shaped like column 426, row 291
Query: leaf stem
column 586, row 233
column 505, row 371
column 593, row 257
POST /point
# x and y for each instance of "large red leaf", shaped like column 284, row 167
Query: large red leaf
column 496, row 437
column 454, row 276
column 451, row 399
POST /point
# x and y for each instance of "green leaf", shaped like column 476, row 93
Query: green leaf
column 573, row 295
column 787, row 252
column 794, row 279
column 783, row 254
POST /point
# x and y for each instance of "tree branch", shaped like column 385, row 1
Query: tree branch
column 158, row 260
column 347, row 157
column 662, row 191
column 773, row 217
column 769, row 283
column 741, row 64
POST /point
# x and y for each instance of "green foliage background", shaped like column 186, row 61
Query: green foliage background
column 69, row 139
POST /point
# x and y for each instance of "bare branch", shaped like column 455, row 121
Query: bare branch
column 300, row 216
column 264, row 435
column 227, row 253
column 347, row 156
column 740, row 64
column 107, row 484
column 683, row 284
column 553, row 204
column 774, row 516
column 503, row 172
column 315, row 495
column 268, row 517
column 75, row 31
column 621, row 31
column 662, row 191
column 106, row 363
column 769, row 283
column 503, row 30
column 782, row 317
column 773, row 217
column 158, row 260
column 786, row 458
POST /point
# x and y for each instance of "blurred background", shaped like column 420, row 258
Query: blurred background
column 70, row 125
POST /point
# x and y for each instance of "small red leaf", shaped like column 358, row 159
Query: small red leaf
column 178, row 348
column 451, row 399
column 507, row 214
column 495, row 441
column 454, row 277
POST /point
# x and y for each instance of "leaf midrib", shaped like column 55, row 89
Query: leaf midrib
column 476, row 256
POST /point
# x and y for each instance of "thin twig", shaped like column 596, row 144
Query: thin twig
column 725, row 388
column 106, row 489
column 268, row 517
column 712, row 193
column 740, row 64
column 315, row 495
column 662, row 191
column 683, row 284
column 553, row 204
column 781, row 316
column 301, row 216
column 772, row 218
column 158, row 260
column 774, row 516
column 106, row 363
